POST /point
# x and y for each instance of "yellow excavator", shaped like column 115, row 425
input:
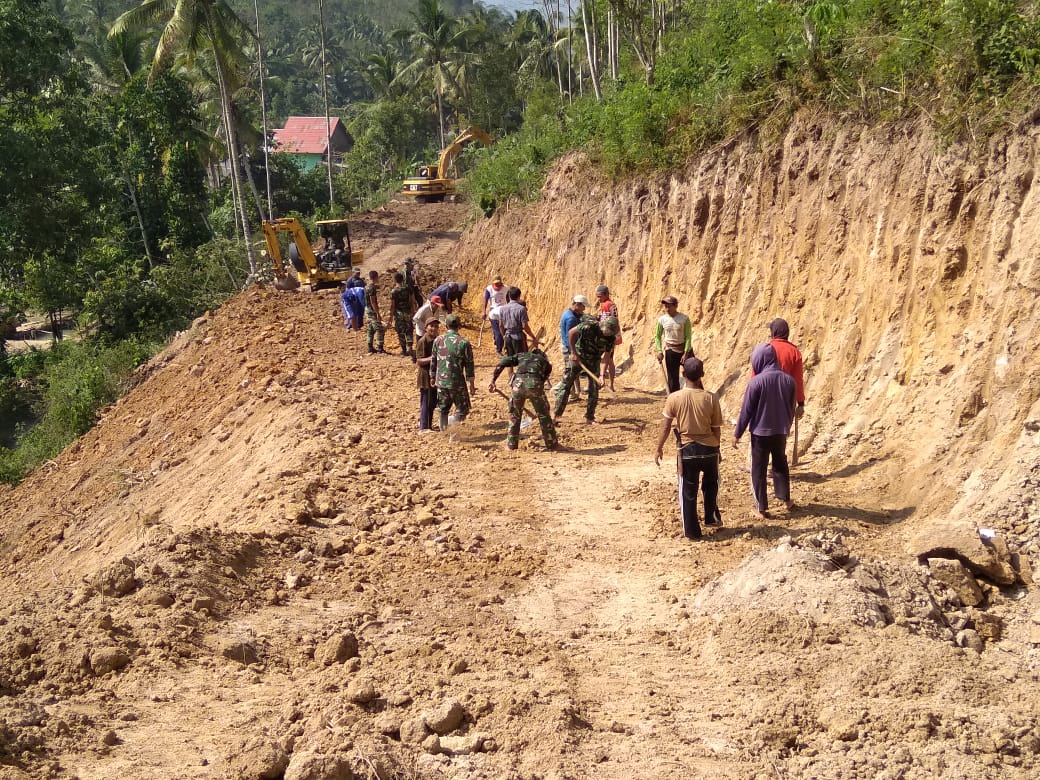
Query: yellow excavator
column 433, row 182
column 326, row 267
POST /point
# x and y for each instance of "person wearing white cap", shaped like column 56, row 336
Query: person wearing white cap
column 570, row 318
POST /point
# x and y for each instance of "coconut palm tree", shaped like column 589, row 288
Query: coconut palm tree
column 440, row 43
column 192, row 27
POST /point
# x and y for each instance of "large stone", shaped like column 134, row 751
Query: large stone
column 952, row 537
column 445, row 718
column 361, row 691
column 257, row 757
column 117, row 579
column 237, row 650
column 337, row 649
column 413, row 731
column 462, row 745
column 307, row 765
column 954, row 576
column 108, row 659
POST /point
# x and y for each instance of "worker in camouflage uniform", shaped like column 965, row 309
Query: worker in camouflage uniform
column 408, row 271
column 401, row 313
column 375, row 327
column 588, row 340
column 532, row 371
column 452, row 372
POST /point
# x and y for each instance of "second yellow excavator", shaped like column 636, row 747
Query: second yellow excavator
column 434, row 183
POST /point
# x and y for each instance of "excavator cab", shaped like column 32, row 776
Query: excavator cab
column 325, row 267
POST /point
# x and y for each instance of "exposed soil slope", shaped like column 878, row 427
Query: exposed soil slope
column 255, row 567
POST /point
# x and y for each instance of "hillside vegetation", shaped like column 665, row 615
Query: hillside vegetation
column 136, row 177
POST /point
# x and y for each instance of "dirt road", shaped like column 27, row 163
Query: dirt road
column 256, row 567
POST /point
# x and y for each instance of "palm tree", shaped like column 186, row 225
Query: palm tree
column 194, row 26
column 440, row 43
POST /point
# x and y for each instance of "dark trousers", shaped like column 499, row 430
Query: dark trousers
column 564, row 393
column 672, row 364
column 427, row 403
column 515, row 343
column 496, row 332
column 705, row 471
column 762, row 449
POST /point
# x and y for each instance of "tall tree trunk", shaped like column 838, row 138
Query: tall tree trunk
column 588, row 18
column 263, row 107
column 325, row 100
column 140, row 218
column 232, row 141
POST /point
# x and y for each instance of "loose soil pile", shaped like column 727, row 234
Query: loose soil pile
column 255, row 567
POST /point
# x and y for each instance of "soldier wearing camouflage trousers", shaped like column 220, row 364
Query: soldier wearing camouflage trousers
column 452, row 372
column 532, row 372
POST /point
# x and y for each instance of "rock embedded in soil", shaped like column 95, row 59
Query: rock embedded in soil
column 238, row 650
column 337, row 649
column 957, row 538
column 954, row 576
column 258, row 757
column 108, row 659
column 307, row 765
column 446, row 717
column 413, row 731
column 361, row 691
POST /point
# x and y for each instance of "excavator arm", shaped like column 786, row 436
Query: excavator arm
column 451, row 151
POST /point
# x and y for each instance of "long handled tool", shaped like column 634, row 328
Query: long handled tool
column 664, row 368
column 794, row 453
column 528, row 419
column 587, row 370
column 480, row 335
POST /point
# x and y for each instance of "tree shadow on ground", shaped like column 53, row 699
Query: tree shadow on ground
column 845, row 471
column 871, row 516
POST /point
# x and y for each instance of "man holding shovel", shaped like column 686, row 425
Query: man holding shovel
column 532, row 371
column 587, row 341
column 696, row 418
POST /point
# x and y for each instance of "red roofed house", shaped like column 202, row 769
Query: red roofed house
column 305, row 140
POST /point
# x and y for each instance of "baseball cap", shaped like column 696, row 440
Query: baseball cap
column 497, row 280
column 355, row 270
column 603, row 289
column 693, row 368
column 433, row 321
column 670, row 299
column 436, row 299
column 580, row 299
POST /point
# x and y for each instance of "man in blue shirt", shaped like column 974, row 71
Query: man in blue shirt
column 570, row 318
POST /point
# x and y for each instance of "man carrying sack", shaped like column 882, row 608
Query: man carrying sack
column 697, row 419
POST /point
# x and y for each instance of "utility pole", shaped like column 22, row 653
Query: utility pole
column 325, row 97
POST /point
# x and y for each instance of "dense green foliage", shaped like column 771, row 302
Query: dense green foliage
column 132, row 135
column 967, row 65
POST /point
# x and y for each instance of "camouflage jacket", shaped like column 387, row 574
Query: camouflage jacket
column 452, row 361
column 532, row 368
column 371, row 299
column 401, row 302
column 590, row 343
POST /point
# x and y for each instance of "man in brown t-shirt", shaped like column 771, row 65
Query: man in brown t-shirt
column 696, row 417
column 423, row 358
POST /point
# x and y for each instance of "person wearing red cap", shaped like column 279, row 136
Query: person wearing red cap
column 495, row 297
column 696, row 417
column 673, row 340
column 432, row 308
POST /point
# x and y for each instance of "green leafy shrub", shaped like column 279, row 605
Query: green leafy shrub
column 77, row 380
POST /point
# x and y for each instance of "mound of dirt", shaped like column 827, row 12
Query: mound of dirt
column 255, row 566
